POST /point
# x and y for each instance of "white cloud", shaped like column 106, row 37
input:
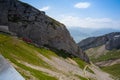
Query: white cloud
column 71, row 21
column 45, row 8
column 82, row 5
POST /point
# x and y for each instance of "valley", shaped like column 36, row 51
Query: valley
column 100, row 55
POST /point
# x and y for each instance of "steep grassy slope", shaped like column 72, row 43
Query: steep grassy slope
column 43, row 64
column 18, row 51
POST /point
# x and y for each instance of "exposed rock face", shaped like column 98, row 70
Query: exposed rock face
column 27, row 22
column 111, row 41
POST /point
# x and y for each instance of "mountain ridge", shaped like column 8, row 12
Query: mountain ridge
column 110, row 40
column 104, row 51
column 82, row 33
column 35, row 26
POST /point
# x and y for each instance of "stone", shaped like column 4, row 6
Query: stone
column 28, row 22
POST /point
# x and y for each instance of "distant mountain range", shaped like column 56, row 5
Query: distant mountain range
column 111, row 41
column 81, row 33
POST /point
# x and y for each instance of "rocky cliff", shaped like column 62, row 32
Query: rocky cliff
column 29, row 23
column 111, row 41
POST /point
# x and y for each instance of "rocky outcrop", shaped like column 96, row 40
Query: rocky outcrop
column 28, row 22
column 111, row 41
column 114, row 42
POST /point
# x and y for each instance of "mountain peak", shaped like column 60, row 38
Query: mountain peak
column 111, row 41
column 34, row 25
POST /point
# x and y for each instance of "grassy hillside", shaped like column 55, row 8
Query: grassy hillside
column 114, row 70
column 27, row 59
column 110, row 55
column 35, row 63
column 100, row 54
column 16, row 50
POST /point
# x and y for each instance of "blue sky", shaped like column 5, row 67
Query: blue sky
column 82, row 13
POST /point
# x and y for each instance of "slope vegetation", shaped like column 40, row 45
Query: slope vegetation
column 109, row 61
column 104, row 51
column 43, row 64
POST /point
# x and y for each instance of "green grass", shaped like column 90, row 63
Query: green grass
column 106, row 54
column 89, row 70
column 81, row 63
column 12, row 47
column 110, row 55
column 114, row 70
column 81, row 78
column 17, row 50
column 44, row 51
column 38, row 74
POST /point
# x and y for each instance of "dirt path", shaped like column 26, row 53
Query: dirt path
column 66, row 70
column 58, row 75
column 66, row 67
column 70, row 69
column 108, row 63
column 100, row 75
column 60, row 64
column 99, row 50
column 85, row 69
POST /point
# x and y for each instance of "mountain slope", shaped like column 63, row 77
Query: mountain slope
column 104, row 51
column 42, row 63
column 35, row 26
column 108, row 60
column 111, row 41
